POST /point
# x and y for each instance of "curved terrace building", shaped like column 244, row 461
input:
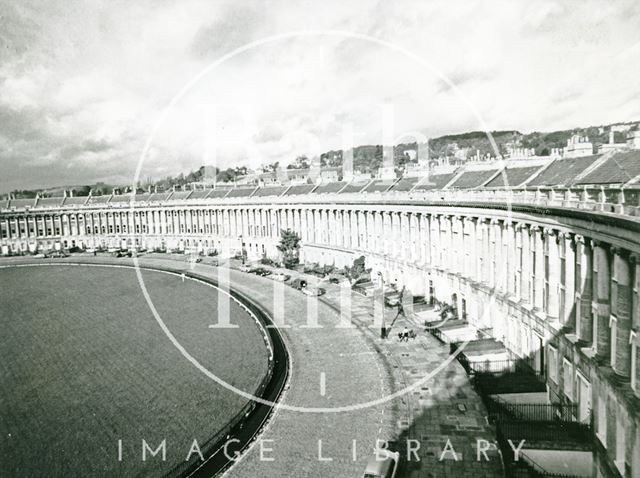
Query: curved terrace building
column 540, row 255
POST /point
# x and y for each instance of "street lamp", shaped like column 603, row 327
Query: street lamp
column 383, row 328
column 243, row 251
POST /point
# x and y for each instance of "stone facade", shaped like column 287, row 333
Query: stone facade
column 560, row 290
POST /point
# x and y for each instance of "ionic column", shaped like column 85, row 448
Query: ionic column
column 553, row 305
column 510, row 243
column 362, row 229
column 395, row 234
column 523, row 283
column 601, row 309
column 480, row 258
column 492, row 248
column 304, row 232
column 500, row 259
column 377, row 224
column 538, row 248
column 346, row 226
column 403, row 234
column 621, row 361
column 634, row 335
column 387, row 238
column 457, row 252
column 473, row 248
column 569, row 313
column 425, row 239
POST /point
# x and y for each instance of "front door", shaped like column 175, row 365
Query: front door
column 538, row 354
column 584, row 399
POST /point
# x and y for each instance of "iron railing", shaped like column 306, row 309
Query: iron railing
column 523, row 467
column 501, row 410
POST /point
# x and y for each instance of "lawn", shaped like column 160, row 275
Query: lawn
column 83, row 364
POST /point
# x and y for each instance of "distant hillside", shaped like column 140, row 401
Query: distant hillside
column 475, row 141
column 544, row 142
column 368, row 158
column 460, row 147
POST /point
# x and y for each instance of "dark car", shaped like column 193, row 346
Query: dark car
column 365, row 288
column 298, row 283
column 56, row 254
column 260, row 271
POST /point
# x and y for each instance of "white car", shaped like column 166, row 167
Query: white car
column 313, row 291
column 383, row 464
column 245, row 268
column 280, row 277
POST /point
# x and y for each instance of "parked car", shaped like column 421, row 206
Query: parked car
column 391, row 298
column 365, row 288
column 335, row 278
column 56, row 254
column 313, row 291
column 298, row 283
column 384, row 464
column 245, row 268
column 280, row 277
column 260, row 271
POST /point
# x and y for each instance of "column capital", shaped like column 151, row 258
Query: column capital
column 600, row 244
column 619, row 251
column 634, row 258
column 573, row 240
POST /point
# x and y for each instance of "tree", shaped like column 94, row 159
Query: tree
column 289, row 247
column 357, row 271
column 270, row 168
column 301, row 162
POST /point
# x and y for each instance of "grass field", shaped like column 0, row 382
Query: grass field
column 83, row 363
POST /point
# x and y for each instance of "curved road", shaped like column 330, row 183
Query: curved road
column 330, row 367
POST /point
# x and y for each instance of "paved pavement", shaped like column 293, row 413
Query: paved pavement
column 443, row 413
column 441, row 417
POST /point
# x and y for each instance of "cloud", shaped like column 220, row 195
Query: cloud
column 83, row 83
column 236, row 26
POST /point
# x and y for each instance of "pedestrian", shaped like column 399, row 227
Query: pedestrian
column 405, row 334
column 183, row 276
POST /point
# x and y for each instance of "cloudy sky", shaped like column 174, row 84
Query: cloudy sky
column 83, row 85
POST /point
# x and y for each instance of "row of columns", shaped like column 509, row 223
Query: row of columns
column 549, row 269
